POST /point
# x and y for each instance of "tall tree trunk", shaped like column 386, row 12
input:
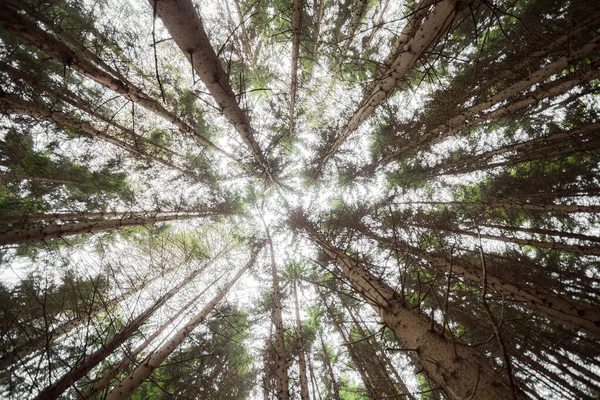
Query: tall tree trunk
column 376, row 364
column 17, row 176
column 283, row 391
column 24, row 348
column 296, row 31
column 302, row 350
column 461, row 372
column 437, row 23
column 476, row 114
column 357, row 359
column 335, row 387
column 543, row 301
column 578, row 249
column 95, row 358
column 107, row 376
column 16, row 105
column 127, row 386
column 29, row 32
column 185, row 27
column 539, row 207
column 38, row 234
column 80, row 216
column 78, row 102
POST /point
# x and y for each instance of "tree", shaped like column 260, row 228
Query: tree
column 424, row 174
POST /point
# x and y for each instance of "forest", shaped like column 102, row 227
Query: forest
column 300, row 199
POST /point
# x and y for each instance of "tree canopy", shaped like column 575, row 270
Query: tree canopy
column 299, row 199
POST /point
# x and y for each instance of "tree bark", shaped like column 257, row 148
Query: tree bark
column 107, row 376
column 38, row 234
column 29, row 32
column 185, row 27
column 283, row 391
column 463, row 374
column 476, row 114
column 23, row 349
column 83, row 367
column 543, row 301
column 296, row 31
column 128, row 385
column 435, row 25
column 301, row 351
column 559, row 208
column 16, row 105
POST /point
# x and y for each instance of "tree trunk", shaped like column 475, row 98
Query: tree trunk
column 107, row 376
column 461, row 372
column 185, row 27
column 29, row 32
column 435, row 25
column 357, row 360
column 127, row 386
column 578, row 249
column 545, row 302
column 301, row 351
column 296, row 31
column 83, row 367
column 20, row 106
column 37, row 343
column 335, row 387
column 77, row 216
column 559, row 208
column 476, row 114
column 16, row 176
column 78, row 102
column 283, row 392
column 30, row 235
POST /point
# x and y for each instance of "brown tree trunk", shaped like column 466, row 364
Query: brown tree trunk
column 95, row 358
column 16, row 176
column 301, row 351
column 78, row 102
column 435, row 25
column 23, row 349
column 461, row 372
column 335, row 387
column 476, row 114
column 16, row 105
column 29, row 32
column 357, row 359
column 30, row 235
column 283, row 391
column 578, row 249
column 545, row 302
column 559, row 208
column 128, row 385
column 296, row 31
column 185, row 27
column 107, row 376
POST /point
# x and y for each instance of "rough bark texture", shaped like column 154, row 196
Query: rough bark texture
column 39, row 234
column 95, row 358
column 127, row 360
column 126, row 388
column 29, row 32
column 543, row 301
column 283, row 391
column 296, row 31
column 16, row 105
column 185, row 26
column 301, row 350
column 435, row 25
column 477, row 114
column 463, row 374
column 24, row 348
